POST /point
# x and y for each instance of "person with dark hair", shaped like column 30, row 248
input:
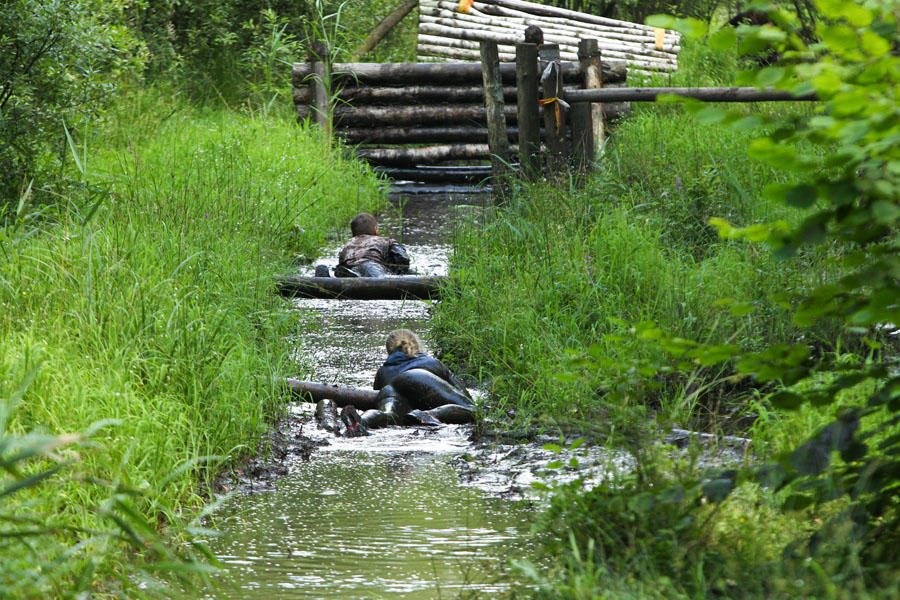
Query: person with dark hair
column 416, row 388
column 368, row 254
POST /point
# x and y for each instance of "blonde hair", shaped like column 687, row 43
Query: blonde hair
column 403, row 340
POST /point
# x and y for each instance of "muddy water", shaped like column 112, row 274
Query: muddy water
column 383, row 516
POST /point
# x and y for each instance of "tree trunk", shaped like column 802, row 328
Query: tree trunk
column 383, row 28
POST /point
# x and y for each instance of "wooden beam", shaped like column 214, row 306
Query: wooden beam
column 528, row 111
column 498, row 143
column 710, row 94
column 436, row 73
column 409, row 157
column 384, row 27
column 321, row 104
column 426, row 174
column 361, row 288
column 554, row 114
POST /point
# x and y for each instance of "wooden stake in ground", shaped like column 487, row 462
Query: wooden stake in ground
column 527, row 108
column 498, row 143
column 587, row 119
column 554, row 114
column 318, row 57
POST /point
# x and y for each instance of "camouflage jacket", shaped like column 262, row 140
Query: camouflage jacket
column 374, row 248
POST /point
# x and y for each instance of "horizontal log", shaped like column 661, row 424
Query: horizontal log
column 439, row 13
column 309, row 391
column 432, row 174
column 437, row 73
column 454, row 49
column 420, row 135
column 349, row 117
column 361, row 288
column 712, row 94
column 552, row 11
column 405, row 94
column 507, row 31
column 403, row 157
column 519, row 16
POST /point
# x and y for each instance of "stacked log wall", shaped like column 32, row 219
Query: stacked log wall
column 403, row 116
column 446, row 34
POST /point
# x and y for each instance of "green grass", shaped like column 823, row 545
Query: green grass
column 149, row 298
column 551, row 289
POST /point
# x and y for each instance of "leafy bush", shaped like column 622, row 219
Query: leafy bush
column 60, row 62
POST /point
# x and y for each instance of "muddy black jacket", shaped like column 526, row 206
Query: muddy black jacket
column 374, row 248
column 399, row 361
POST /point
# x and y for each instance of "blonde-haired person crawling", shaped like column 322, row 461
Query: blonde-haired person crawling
column 415, row 388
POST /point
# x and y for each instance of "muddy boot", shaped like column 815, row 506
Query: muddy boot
column 420, row 417
column 322, row 271
column 355, row 427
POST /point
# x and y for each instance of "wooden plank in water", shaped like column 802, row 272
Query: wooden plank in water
column 361, row 288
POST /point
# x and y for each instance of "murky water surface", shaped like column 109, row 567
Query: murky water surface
column 381, row 516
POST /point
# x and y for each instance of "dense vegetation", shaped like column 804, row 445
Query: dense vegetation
column 636, row 302
column 152, row 182
column 139, row 235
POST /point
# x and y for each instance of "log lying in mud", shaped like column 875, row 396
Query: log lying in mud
column 361, row 288
column 309, row 391
column 410, row 157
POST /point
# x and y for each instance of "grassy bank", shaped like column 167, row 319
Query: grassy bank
column 556, row 290
column 146, row 297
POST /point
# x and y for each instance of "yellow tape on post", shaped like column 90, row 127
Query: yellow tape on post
column 660, row 36
column 464, row 6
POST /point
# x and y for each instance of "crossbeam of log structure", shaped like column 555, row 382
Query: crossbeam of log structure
column 362, row 95
column 309, row 391
column 720, row 94
column 439, row 174
column 438, row 73
column 361, row 288
column 409, row 116
column 421, row 135
column 408, row 157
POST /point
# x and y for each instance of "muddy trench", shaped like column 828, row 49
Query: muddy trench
column 406, row 512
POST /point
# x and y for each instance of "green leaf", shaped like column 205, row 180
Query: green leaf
column 716, row 490
column 873, row 44
column 801, row 196
column 885, row 212
column 769, row 76
column 786, row 400
column 723, row 39
column 556, row 448
column 555, row 464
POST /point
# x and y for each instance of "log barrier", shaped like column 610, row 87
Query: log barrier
column 361, row 288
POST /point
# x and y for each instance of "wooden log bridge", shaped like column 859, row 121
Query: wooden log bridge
column 362, row 288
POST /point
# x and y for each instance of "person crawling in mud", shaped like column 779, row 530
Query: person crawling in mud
column 368, row 254
column 415, row 388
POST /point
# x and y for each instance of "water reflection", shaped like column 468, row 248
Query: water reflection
column 361, row 525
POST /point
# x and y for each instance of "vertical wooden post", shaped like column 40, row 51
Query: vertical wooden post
column 318, row 57
column 498, row 143
column 554, row 115
column 592, row 78
column 529, row 119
